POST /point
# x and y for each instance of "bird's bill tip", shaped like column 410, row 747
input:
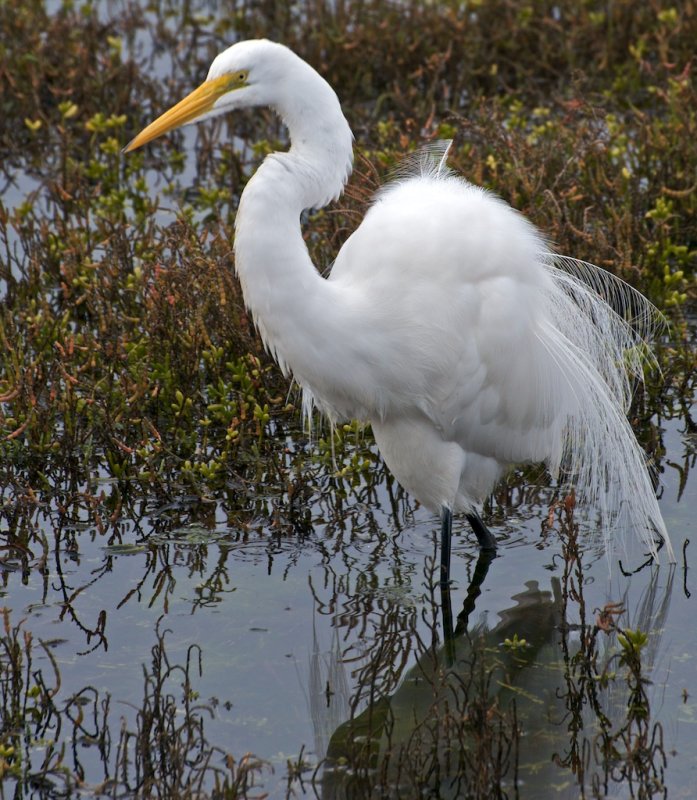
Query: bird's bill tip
column 132, row 145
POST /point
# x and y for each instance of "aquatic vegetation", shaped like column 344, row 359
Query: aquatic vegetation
column 119, row 297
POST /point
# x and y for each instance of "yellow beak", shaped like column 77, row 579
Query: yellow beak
column 190, row 108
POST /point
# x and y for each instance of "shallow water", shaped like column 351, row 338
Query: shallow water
column 299, row 631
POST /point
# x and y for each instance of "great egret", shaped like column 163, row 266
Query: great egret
column 446, row 322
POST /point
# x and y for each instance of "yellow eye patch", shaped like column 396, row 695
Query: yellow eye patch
column 238, row 79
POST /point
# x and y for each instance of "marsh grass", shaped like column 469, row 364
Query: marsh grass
column 126, row 349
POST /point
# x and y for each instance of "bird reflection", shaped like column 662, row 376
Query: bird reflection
column 518, row 707
column 474, row 590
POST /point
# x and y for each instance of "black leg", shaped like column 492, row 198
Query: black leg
column 473, row 592
column 446, row 531
column 484, row 535
column 486, row 540
column 487, row 543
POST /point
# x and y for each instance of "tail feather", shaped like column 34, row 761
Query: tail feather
column 596, row 336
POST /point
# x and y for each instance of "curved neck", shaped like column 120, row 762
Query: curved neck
column 281, row 286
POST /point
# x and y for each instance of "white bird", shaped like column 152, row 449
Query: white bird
column 446, row 321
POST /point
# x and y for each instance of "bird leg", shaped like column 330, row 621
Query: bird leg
column 484, row 535
column 486, row 540
column 487, row 554
column 446, row 532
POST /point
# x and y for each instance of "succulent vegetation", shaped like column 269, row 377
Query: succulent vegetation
column 125, row 345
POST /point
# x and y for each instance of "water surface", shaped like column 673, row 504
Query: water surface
column 293, row 630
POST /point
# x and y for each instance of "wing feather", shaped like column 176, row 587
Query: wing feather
column 514, row 353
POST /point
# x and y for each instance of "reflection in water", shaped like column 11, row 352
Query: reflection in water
column 328, row 691
column 94, row 689
column 162, row 753
column 509, row 711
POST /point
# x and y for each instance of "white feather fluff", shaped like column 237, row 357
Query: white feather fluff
column 596, row 338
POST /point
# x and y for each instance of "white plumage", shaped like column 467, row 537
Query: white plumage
column 446, row 322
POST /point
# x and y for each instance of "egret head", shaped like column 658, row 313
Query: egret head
column 250, row 73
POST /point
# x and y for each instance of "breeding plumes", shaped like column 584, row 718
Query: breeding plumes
column 446, row 321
